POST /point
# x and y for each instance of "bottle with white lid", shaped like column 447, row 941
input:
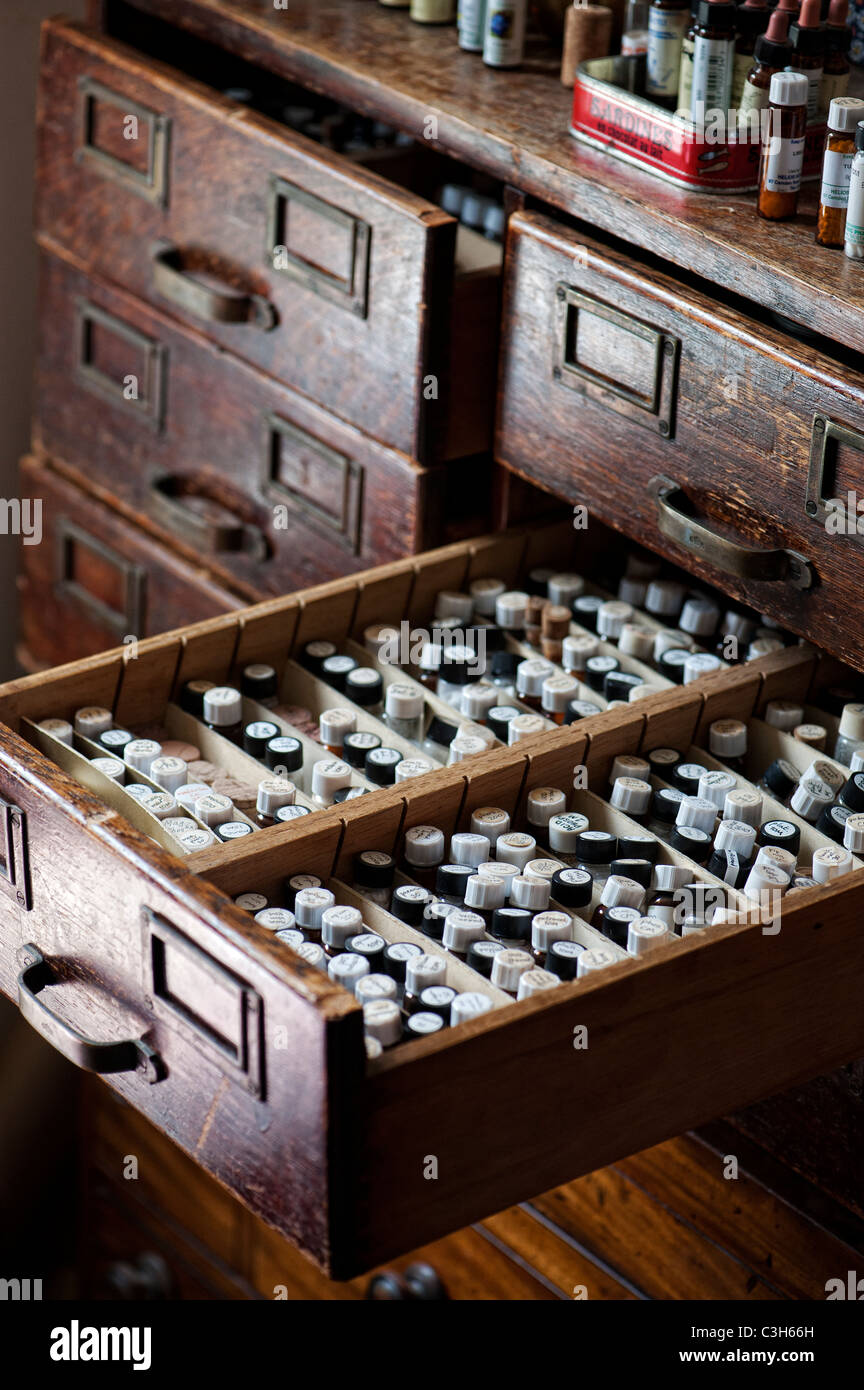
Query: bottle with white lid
column 412, row 767
column 478, row 699
column 577, row 650
column 310, row 905
column 508, row 967
column 853, row 243
column 546, row 927
column 471, row 1004
column 465, row 746
column 853, row 834
column 382, row 1018
column 783, row 714
column 273, row 793
column 490, row 821
column 223, row 711
column 556, row 694
column 629, row 765
column 811, row 797
column 423, row 851
column 698, row 812
column 484, row 594
column 484, row 893
column 60, row 729
column 564, row 588
column 469, row 848
column 850, row 735
column 214, row 809
column 765, row 885
column 193, row 840
column 516, row 848
column 542, row 870
column 92, row 720
column 530, row 676
column 543, row 804
column 743, row 804
column 715, row 785
column 404, row 710
column 179, row 825
column 333, row 925
column 662, row 902
column 461, row 928
column 112, row 768
column 530, row 894
column 617, row 892
column 727, row 740
column 451, row 603
column 669, row 640
column 637, row 641
column 831, row 862
column 699, row 617
column 333, row 726
column 814, row 735
column 645, row 934
column 526, row 726
column 328, row 776
column 381, row 641
column 735, row 835
column 276, row 919
column 700, row 664
column 169, row 773
column 663, row 598
column 500, row 870
column 421, row 973
column 598, row 958
column 536, row 981
column 632, row 796
column 511, row 609
column 141, row 793
column 826, row 771
column 141, row 753
column 347, row 969
column 611, row 617
column 562, row 834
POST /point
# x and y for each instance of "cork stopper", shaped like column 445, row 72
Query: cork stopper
column 587, row 34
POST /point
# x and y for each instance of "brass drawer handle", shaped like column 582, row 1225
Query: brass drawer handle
column 204, row 301
column 743, row 561
column 419, row 1283
column 105, row 1059
column 215, row 534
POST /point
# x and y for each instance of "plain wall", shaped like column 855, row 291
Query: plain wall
column 19, row 45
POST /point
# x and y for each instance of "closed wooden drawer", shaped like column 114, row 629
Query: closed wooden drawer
column 253, row 1060
column 685, row 424
column 298, row 260
column 93, row 580
column 245, row 476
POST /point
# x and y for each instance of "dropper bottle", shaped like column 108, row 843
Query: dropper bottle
column 838, row 40
column 773, row 53
column 808, row 53
column 752, row 21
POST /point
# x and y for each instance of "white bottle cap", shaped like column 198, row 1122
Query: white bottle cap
column 825, row 771
column 375, row 987
column 251, row 902
column 382, row 1018
column 853, row 833
column 557, row 692
column 413, row 767
column 478, row 698
column 310, row 904
column 543, row 803
column 811, row 797
column 179, row 825
column 421, row 972
column 275, row 918
column 765, row 878
column 470, row 849
column 60, row 729
column 764, row 646
column 507, row 968
column 461, row 927
column 699, row 617
column 543, row 869
column 469, row 1005
column 619, row 891
column 629, row 765
column 547, row 927
column 631, row 795
column 504, row 872
column 844, row 113
column 484, row 893
column 274, row 792
column 783, row 714
column 852, row 722
column 814, row 735
column 525, row 726
column 668, row 878
column 110, row 767
column 196, row 839
column 727, row 738
column 328, row 776
column 161, row 805
column 530, row 675
column 831, row 862
column 700, row 664
column 334, row 724
column 484, row 593
column 535, row 982
column 638, row 692
column 697, row 811
column 403, row 701
column 596, row 959
column 632, row 590
column 563, row 588
column 788, row 89
column 449, row 603
column 715, row 786
column 141, row 753
column 490, row 821
column 213, row 809
column 430, row 656
column 511, row 608
column 782, row 859
column 313, row 953
column 338, row 922
column 636, row 641
column 515, row 848
column 736, row 835
column 664, row 598
column 347, row 969
column 92, row 720
column 530, row 893
column 742, row 804
column 611, row 617
column 563, row 832
column 465, row 746
column 645, row 935
column 191, row 792
column 170, row 773
column 223, row 706
column 667, row 639
column 576, row 650
column 424, row 846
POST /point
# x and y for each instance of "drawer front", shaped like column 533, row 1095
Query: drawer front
column 94, row 581
column 287, row 255
column 689, row 427
column 243, row 475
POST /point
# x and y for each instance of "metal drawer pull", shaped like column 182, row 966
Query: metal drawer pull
column 216, row 534
column 105, row 1059
column 418, row 1283
column 205, row 302
column 740, row 560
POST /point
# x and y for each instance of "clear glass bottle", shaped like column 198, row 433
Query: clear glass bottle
column 595, row 851
column 223, row 711
column 374, row 870
column 259, row 682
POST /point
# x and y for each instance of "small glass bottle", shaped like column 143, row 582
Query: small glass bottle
column 112, row 740
column 357, row 746
column 403, row 711
column 259, row 682
column 781, row 834
column 633, row 797
column 333, row 726
column 334, row 670
column 276, row 919
column 461, row 928
column 314, row 654
column 223, row 711
column 727, row 740
column 421, row 973
column 597, row 668
column 423, row 851
column 556, row 694
column 346, row 969
column 743, row 804
column 273, row 793
column 668, row 21
column 92, row 720
column 508, row 966
column 752, row 21
column 328, row 775
column 838, row 41
column 169, row 773
column 811, row 797
column 595, row 851
column 284, row 754
column 313, row 907
column 618, row 892
column 141, row 753
column 850, row 735
column 562, row 835
column 713, row 63
column 808, row 53
column 783, row 714
column 381, row 764
column 782, row 158
column 843, row 117
column 370, row 946
column 634, row 39
column 374, row 870
column 256, row 737
column 814, row 735
column 365, row 687
column 511, row 926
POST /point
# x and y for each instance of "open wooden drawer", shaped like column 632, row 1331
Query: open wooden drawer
column 348, row 287
column 253, row 1060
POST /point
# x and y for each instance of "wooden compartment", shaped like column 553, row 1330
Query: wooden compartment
column 253, row 1061
column 735, row 435
column 328, row 277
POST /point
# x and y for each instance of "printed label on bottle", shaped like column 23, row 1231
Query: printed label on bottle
column 814, row 93
column 836, row 173
column 783, row 165
column 834, row 84
column 753, row 98
column 712, row 72
column 685, row 74
column 855, row 216
column 505, row 34
column 666, row 29
column 471, row 18
column 741, row 66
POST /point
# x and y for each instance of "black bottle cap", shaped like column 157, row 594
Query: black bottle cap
column 562, row 959
column 370, row 946
column 421, row 1025
column 686, row 776
column 396, row 957
column 481, row 955
column 725, row 864
column 284, row 751
column 435, row 914
column 374, row 868
column 689, row 840
column 498, row 720
column 640, row 870
column 257, row 736
column 366, row 688
column 807, row 43
column 616, row 924
column 486, row 638
column 716, row 15
column 537, row 582
column 618, row 684
column 451, row 879
column 409, row 902
column 751, row 20
column 636, row 846
column 456, row 669
column 345, row 794
column 781, row 778
column 838, row 38
column 511, row 924
column 672, row 662
column 355, row 747
column 852, row 794
column 334, row 670
column 504, row 666
column 436, row 999
column 784, row 833
column 115, row 740
column 832, row 822
column 596, row 847
column 666, row 804
column 314, row 654
column 295, row 882
column 664, row 761
column 585, row 609
column 381, row 764
column 440, row 731
column 192, row 697
column 597, row 668
column 572, row 887
column 580, row 709
column 259, row 682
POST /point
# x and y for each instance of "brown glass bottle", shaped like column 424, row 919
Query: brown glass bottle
column 843, row 117
column 838, row 40
column 783, row 152
column 753, row 17
column 773, row 53
column 668, row 21
column 808, row 53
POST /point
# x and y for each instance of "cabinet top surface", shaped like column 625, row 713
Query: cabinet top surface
column 515, row 126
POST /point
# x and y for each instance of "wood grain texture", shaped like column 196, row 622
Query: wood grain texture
column 515, row 125
column 746, row 398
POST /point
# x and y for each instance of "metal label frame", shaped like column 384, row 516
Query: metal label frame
column 352, row 291
column 346, row 522
column 153, row 183
column 15, row 871
column 149, row 406
column 826, row 434
column 132, row 619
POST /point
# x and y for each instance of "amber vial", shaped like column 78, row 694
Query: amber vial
column 783, row 152
column 843, row 117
